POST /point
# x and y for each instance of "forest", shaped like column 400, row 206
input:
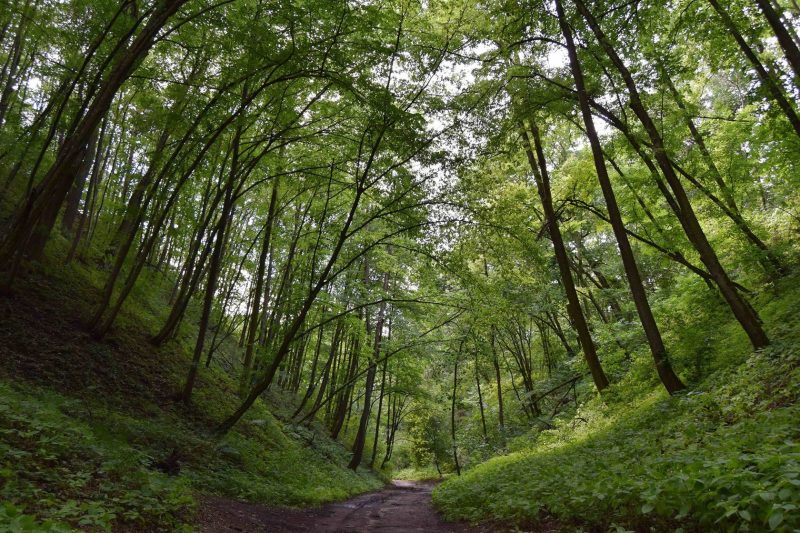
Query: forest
column 511, row 265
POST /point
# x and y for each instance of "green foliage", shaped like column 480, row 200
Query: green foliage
column 71, row 462
column 243, row 469
column 89, row 462
column 59, row 467
column 634, row 469
column 418, row 474
column 725, row 456
column 359, row 142
column 13, row 520
column 428, row 442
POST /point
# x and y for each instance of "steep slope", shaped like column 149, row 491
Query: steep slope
column 92, row 436
column 723, row 456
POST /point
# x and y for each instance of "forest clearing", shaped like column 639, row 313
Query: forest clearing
column 400, row 265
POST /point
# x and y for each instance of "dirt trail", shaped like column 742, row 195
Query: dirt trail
column 404, row 506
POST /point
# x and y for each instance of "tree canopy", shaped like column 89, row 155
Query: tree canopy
column 433, row 227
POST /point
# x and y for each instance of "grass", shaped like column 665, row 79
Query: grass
column 723, row 457
column 83, row 422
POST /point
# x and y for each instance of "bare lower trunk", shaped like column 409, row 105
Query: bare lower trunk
column 453, row 419
column 668, row 377
column 743, row 312
column 539, row 168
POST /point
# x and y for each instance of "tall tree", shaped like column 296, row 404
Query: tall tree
column 667, row 375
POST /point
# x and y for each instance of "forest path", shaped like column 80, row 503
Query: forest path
column 403, row 506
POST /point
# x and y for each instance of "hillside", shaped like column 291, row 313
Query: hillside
column 94, row 436
column 724, row 456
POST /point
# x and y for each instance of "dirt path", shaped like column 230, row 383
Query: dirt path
column 404, row 506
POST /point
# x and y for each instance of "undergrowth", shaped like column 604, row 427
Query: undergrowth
column 724, row 456
column 70, row 469
column 84, row 424
column 418, row 474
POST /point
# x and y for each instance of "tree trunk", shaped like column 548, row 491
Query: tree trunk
column 743, row 312
column 36, row 215
column 214, row 269
column 378, row 415
column 349, row 370
column 770, row 261
column 94, row 178
column 252, row 327
column 788, row 45
column 73, row 199
column 313, row 375
column 480, row 398
column 768, row 80
column 453, row 416
column 358, row 445
column 539, row 168
column 668, row 377
column 496, row 364
column 298, row 321
column 326, row 373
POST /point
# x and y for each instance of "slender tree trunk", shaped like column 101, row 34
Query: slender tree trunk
column 378, row 415
column 349, row 371
column 361, row 434
column 214, row 270
column 499, row 382
column 137, row 199
column 744, row 313
column 193, row 274
column 790, row 49
column 495, row 363
column 326, row 373
column 480, row 398
column 554, row 324
column 392, row 423
column 35, row 215
column 453, row 417
column 770, row 261
column 539, row 168
column 10, row 69
column 768, row 80
column 341, row 351
column 252, row 328
column 93, row 181
column 524, row 404
column 294, row 328
column 358, row 446
column 312, row 383
column 73, row 199
column 668, row 377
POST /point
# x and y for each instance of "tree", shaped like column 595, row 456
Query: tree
column 668, row 377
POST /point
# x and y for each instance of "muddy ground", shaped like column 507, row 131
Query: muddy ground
column 403, row 506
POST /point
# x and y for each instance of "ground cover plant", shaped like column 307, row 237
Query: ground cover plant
column 257, row 253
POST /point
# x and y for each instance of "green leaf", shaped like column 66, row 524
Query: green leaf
column 646, row 508
column 745, row 514
column 775, row 519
